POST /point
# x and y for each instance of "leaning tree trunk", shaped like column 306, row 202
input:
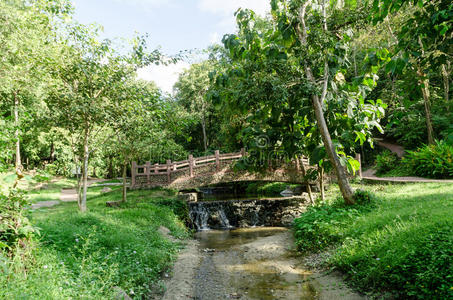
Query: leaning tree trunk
column 18, row 163
column 317, row 101
column 124, row 181
column 342, row 177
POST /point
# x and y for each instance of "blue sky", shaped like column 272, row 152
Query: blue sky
column 173, row 25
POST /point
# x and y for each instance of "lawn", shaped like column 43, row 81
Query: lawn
column 400, row 242
column 84, row 256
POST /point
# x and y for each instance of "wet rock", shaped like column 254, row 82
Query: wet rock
column 247, row 213
column 189, row 197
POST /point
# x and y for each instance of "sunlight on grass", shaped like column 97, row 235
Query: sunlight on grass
column 85, row 255
column 402, row 242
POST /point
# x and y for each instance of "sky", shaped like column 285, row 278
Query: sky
column 172, row 25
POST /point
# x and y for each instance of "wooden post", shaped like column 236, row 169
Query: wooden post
column 217, row 160
column 242, row 152
column 148, row 172
column 133, row 173
column 358, row 158
column 168, row 170
column 156, row 168
column 191, row 165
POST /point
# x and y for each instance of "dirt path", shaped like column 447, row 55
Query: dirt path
column 66, row 195
column 249, row 264
column 397, row 149
column 370, row 174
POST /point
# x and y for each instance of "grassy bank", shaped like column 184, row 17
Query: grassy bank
column 84, row 256
column 400, row 243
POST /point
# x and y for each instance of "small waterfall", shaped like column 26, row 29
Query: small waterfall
column 254, row 218
column 199, row 216
column 245, row 213
column 223, row 218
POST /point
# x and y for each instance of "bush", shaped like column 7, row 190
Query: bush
column 432, row 161
column 401, row 244
column 15, row 228
column 386, row 161
column 268, row 189
column 322, row 226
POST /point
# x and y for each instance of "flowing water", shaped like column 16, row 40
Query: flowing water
column 252, row 263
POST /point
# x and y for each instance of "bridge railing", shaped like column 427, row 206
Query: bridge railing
column 161, row 174
column 148, row 170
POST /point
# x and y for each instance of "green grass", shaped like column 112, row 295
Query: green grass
column 83, row 256
column 401, row 243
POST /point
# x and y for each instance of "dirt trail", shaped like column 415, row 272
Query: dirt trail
column 249, row 264
column 397, row 149
column 66, row 195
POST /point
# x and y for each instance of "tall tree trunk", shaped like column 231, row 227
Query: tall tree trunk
column 18, row 163
column 424, row 83
column 446, row 70
column 205, row 138
column 345, row 188
column 86, row 154
column 124, row 181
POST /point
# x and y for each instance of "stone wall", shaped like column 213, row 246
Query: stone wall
column 247, row 213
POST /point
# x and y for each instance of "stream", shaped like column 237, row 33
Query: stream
column 242, row 251
column 252, row 263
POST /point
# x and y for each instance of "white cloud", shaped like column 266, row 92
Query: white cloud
column 164, row 76
column 149, row 5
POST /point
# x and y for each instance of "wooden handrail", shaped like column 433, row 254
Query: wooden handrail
column 189, row 164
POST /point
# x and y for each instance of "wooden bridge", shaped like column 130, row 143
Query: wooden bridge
column 206, row 170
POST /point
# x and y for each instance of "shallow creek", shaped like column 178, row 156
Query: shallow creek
column 257, row 263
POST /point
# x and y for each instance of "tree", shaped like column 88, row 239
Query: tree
column 25, row 31
column 284, row 63
column 191, row 92
column 84, row 99
column 136, row 128
column 423, row 44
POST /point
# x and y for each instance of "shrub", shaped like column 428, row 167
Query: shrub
column 268, row 189
column 386, row 161
column 364, row 197
column 15, row 228
column 322, row 226
column 433, row 161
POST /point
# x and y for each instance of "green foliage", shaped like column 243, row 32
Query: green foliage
column 401, row 243
column 432, row 161
column 15, row 228
column 386, row 161
column 86, row 255
column 322, row 226
column 268, row 189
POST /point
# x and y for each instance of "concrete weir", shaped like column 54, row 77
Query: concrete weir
column 247, row 213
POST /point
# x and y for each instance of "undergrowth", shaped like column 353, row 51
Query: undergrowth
column 400, row 242
column 84, row 256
